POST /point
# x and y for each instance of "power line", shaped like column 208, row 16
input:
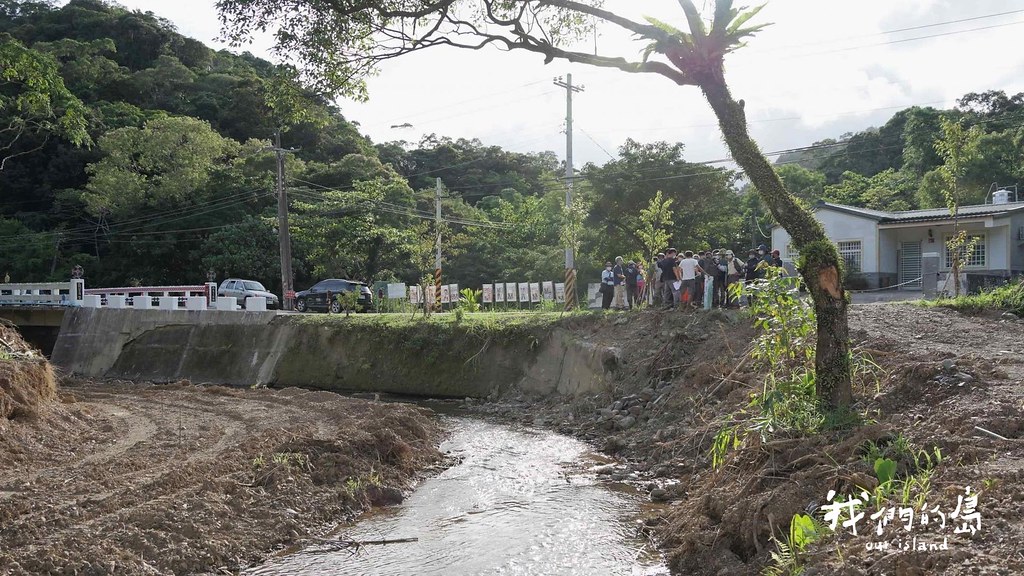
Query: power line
column 895, row 31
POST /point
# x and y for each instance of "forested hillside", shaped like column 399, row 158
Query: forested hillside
column 143, row 156
column 897, row 166
column 175, row 177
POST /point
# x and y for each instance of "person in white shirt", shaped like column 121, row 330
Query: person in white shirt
column 689, row 267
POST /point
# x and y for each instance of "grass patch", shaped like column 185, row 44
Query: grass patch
column 483, row 319
column 1009, row 297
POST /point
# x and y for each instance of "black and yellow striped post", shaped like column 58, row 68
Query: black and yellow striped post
column 570, row 289
column 437, row 289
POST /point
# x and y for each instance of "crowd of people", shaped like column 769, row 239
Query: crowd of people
column 695, row 279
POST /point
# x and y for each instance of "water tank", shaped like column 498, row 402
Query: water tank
column 1001, row 196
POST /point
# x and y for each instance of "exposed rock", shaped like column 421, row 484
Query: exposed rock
column 626, row 423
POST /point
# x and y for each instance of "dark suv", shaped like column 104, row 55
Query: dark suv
column 321, row 296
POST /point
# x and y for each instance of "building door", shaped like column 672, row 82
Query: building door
column 910, row 265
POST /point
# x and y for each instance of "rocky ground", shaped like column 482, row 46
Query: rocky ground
column 941, row 377
column 124, row 478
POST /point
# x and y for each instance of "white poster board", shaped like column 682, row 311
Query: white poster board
column 510, row 291
column 593, row 295
column 535, row 292
column 415, row 296
column 560, row 291
column 453, row 292
column 431, row 296
column 499, row 291
column 548, row 291
column 396, row 291
column 446, row 295
column 524, row 292
column 488, row 293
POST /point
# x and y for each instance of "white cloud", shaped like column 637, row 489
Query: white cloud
column 822, row 68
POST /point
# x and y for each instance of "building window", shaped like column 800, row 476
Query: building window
column 976, row 259
column 850, row 251
column 791, row 252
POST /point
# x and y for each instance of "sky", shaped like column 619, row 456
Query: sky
column 822, row 69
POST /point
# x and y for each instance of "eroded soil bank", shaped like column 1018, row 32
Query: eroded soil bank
column 682, row 378
column 127, row 478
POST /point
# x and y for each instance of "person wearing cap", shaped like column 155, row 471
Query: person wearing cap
column 776, row 259
column 734, row 270
column 764, row 256
column 752, row 261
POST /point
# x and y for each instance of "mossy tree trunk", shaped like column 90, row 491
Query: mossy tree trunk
column 820, row 264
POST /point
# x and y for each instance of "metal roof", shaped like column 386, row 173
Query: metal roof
column 926, row 214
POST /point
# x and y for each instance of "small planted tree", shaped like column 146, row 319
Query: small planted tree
column 655, row 220
column 957, row 147
column 348, row 301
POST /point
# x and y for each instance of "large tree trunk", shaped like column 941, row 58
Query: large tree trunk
column 820, row 263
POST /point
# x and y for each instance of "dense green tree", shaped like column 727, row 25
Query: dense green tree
column 887, row 190
column 704, row 206
column 248, row 249
column 473, row 170
column 165, row 163
column 801, row 182
column 34, row 103
column 921, row 131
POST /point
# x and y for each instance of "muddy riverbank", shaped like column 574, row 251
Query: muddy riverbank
column 682, row 379
column 129, row 478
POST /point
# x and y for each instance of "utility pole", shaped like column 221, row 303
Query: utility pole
column 284, row 237
column 570, row 262
column 437, row 259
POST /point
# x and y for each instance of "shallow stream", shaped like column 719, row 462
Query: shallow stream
column 520, row 502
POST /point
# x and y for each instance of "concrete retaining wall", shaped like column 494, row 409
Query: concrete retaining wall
column 282, row 350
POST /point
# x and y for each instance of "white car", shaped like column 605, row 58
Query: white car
column 241, row 289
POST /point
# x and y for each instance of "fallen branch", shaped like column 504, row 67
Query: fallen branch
column 674, row 367
column 355, row 545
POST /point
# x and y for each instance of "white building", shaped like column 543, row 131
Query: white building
column 884, row 248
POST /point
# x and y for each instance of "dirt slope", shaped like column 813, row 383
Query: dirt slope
column 681, row 379
column 142, row 479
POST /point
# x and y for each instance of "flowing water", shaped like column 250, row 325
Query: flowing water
column 519, row 502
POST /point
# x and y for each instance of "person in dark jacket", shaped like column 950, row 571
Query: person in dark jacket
column 668, row 269
column 776, row 259
column 752, row 261
column 720, row 267
column 631, row 284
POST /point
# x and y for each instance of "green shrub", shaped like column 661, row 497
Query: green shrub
column 1008, row 297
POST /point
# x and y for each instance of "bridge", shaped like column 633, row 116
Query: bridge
column 37, row 309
